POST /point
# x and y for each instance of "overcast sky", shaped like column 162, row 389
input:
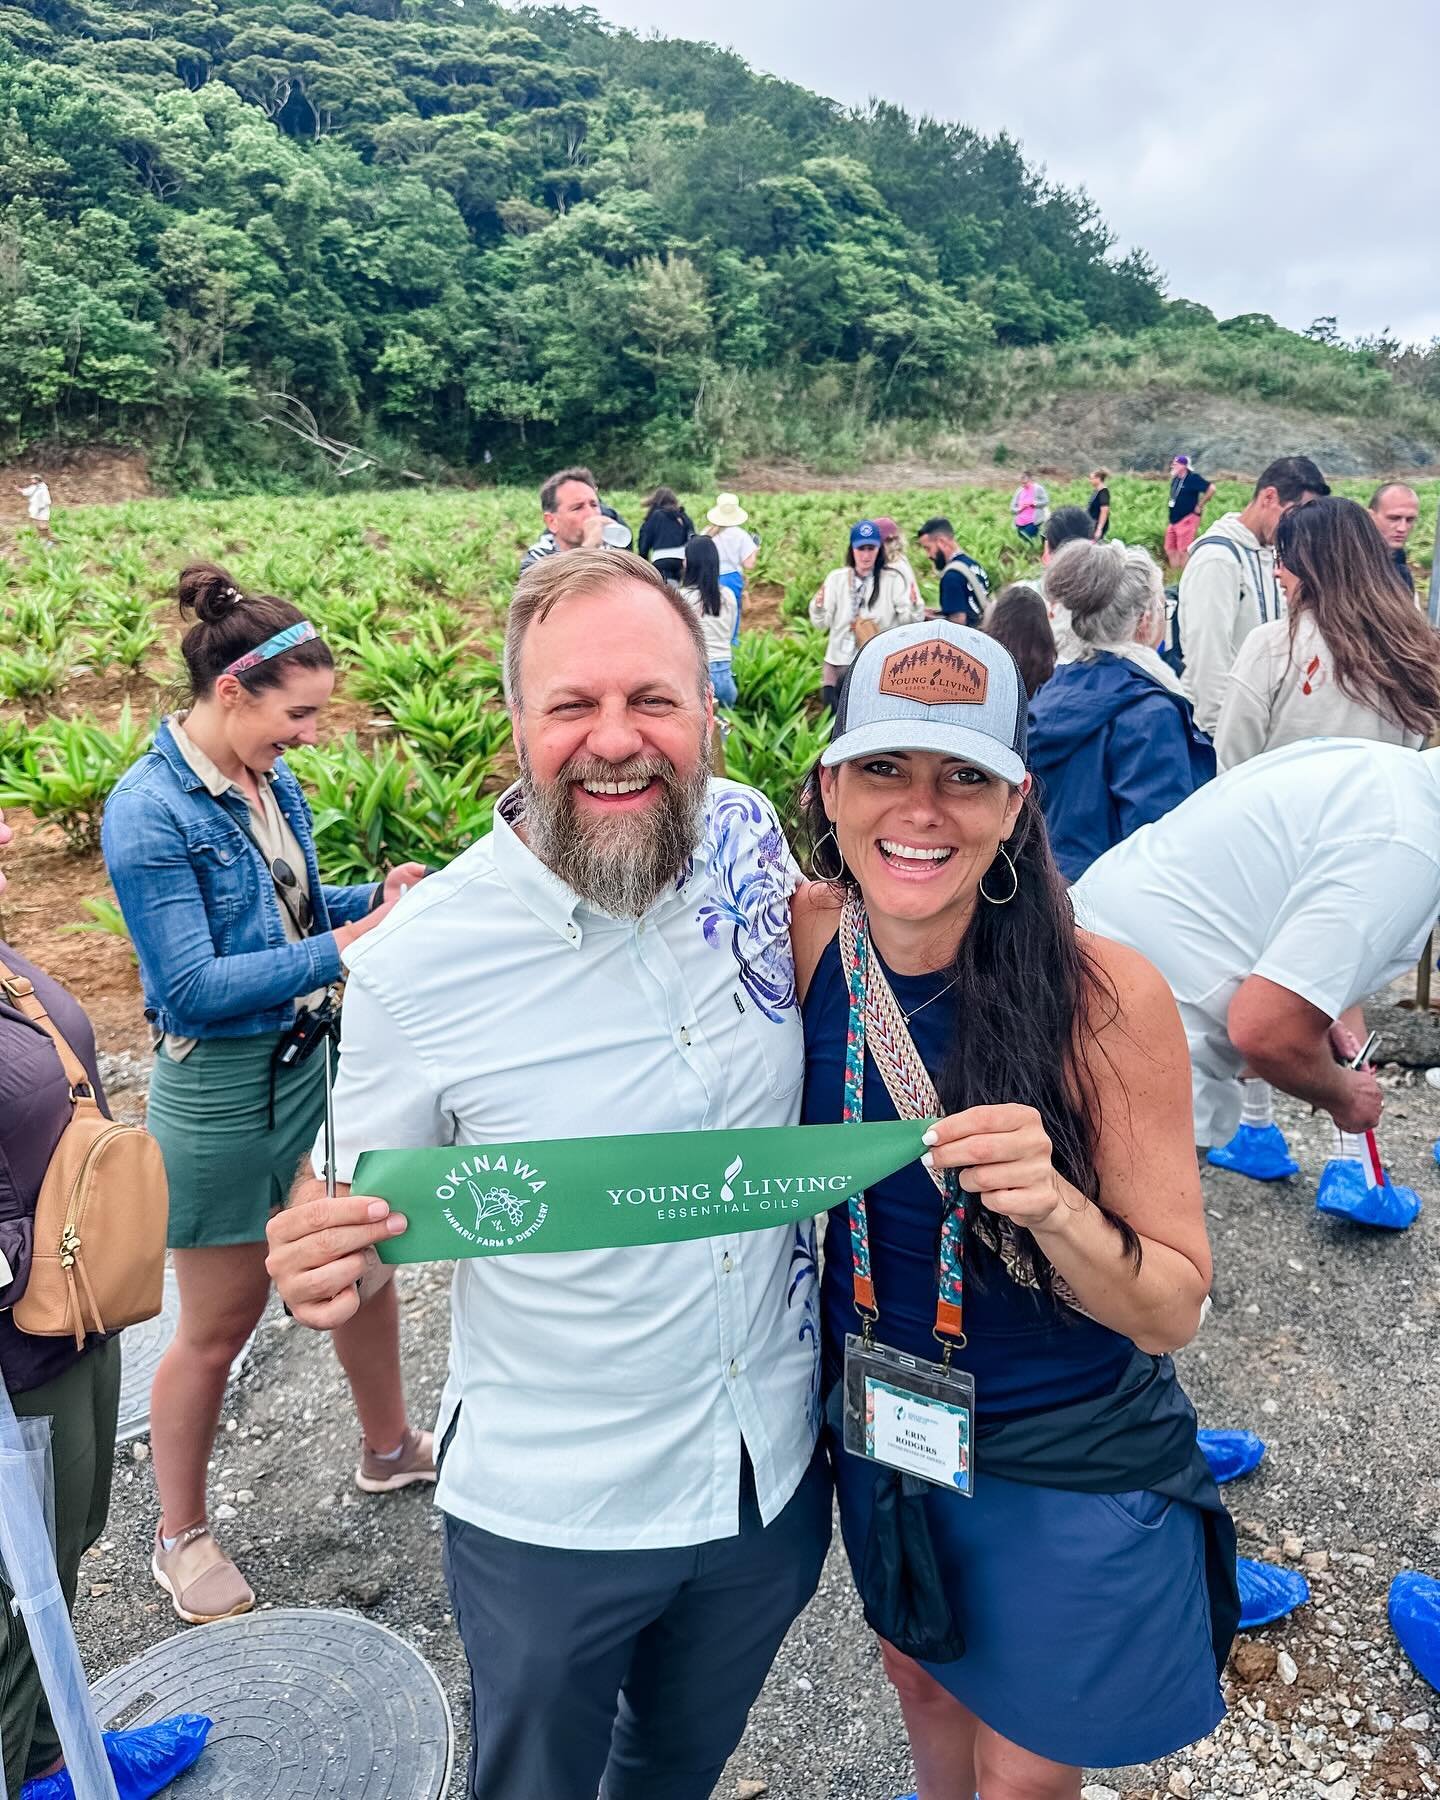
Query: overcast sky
column 1270, row 158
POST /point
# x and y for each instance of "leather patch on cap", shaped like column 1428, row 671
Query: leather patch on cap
column 935, row 674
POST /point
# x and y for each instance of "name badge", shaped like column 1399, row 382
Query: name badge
column 910, row 1414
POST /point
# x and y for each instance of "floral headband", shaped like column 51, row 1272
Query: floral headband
column 301, row 632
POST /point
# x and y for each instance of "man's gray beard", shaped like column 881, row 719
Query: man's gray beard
column 618, row 865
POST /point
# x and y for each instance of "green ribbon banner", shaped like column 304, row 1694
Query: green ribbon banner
column 608, row 1192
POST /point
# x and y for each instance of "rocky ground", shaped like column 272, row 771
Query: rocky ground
column 1322, row 1338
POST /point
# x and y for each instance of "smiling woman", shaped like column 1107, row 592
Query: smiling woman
column 209, row 844
column 1050, row 1251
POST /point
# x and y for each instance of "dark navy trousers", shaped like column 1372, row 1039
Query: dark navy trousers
column 626, row 1673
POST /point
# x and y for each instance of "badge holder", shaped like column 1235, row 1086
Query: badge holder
column 910, row 1413
column 904, row 1411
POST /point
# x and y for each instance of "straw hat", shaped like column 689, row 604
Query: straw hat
column 727, row 510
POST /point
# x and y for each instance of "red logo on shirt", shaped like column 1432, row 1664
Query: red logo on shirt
column 1314, row 676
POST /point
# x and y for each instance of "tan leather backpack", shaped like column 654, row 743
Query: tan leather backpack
column 99, row 1256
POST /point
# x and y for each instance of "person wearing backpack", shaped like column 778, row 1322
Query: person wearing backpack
column 964, row 585
column 1229, row 584
column 210, row 848
column 76, row 1387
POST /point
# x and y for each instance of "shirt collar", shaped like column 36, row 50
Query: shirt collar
column 557, row 905
column 195, row 759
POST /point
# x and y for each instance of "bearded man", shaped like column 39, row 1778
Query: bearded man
column 634, row 1508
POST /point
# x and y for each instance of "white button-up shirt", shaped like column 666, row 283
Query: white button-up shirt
column 599, row 1398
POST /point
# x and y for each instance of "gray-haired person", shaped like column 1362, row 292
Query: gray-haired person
column 1113, row 743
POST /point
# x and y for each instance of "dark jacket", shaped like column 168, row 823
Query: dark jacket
column 34, row 1110
column 1111, row 750
column 1402, row 567
column 663, row 538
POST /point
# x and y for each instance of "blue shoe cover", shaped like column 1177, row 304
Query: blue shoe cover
column 1268, row 1593
column 1345, row 1192
column 1437, row 1152
column 1230, row 1454
column 1259, row 1151
column 143, row 1760
column 1415, row 1620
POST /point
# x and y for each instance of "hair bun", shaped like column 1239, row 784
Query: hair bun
column 209, row 592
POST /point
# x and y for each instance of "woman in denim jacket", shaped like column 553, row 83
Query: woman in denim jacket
column 209, row 846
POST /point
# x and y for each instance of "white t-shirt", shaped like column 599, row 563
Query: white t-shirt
column 38, row 494
column 717, row 629
column 1278, row 693
column 1316, row 866
column 734, row 544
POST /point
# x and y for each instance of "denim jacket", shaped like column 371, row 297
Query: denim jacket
column 201, row 906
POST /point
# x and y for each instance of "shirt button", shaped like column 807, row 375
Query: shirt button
column 685, row 1036
column 734, row 1369
column 727, row 1265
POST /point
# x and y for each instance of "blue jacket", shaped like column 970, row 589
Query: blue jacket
column 201, row 906
column 1111, row 750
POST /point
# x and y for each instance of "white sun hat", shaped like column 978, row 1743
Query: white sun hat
column 727, row 510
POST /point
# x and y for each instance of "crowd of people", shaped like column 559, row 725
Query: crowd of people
column 637, row 1448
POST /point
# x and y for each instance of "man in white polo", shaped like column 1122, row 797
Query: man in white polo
column 635, row 1512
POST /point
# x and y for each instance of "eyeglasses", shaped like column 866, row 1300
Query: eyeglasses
column 292, row 896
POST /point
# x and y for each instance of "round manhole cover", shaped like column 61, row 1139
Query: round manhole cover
column 141, row 1347
column 306, row 1703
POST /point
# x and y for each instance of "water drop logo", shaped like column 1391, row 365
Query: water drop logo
column 727, row 1193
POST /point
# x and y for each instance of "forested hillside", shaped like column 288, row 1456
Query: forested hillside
column 452, row 229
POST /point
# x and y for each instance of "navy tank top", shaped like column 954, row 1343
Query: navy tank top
column 1026, row 1354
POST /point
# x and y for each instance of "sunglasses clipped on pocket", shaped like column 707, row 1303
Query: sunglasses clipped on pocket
column 292, row 896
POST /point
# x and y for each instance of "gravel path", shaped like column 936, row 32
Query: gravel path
column 1322, row 1338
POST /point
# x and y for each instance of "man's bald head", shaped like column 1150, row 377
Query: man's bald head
column 1395, row 508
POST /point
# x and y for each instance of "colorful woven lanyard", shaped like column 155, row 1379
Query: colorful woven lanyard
column 873, row 1010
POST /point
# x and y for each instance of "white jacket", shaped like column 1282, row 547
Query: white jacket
column 1278, row 693
column 1228, row 588
column 843, row 599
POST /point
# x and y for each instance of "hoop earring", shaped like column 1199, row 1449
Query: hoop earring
column 1014, row 880
column 815, row 869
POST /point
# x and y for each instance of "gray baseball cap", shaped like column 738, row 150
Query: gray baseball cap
column 934, row 686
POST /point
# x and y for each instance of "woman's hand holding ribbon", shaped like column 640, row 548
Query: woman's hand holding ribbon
column 1003, row 1154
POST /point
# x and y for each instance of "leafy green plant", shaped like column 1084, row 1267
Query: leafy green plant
column 34, row 622
column 65, row 770
column 445, row 726
column 105, row 917
column 375, row 809
column 773, row 757
column 124, row 643
column 396, row 664
column 32, row 674
column 776, row 676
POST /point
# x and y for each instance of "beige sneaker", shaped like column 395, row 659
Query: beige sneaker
column 382, row 1475
column 202, row 1582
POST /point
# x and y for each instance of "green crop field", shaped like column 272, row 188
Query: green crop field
column 410, row 590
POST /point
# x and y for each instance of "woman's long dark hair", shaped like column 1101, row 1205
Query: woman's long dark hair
column 702, row 572
column 1016, row 618
column 664, row 499
column 881, row 562
column 1385, row 654
column 1026, row 1008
